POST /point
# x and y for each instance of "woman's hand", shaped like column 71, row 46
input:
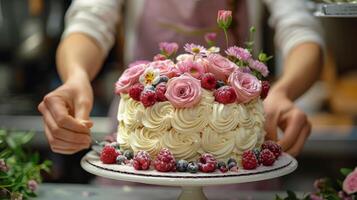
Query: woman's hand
column 282, row 113
column 66, row 116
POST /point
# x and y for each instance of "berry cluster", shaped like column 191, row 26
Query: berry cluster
column 111, row 154
column 266, row 156
column 148, row 96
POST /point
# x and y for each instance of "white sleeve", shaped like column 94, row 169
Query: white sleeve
column 293, row 24
column 95, row 18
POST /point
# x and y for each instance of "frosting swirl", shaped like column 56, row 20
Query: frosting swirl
column 158, row 117
column 123, row 136
column 183, row 146
column 224, row 117
column 143, row 139
column 245, row 138
column 221, row 145
column 130, row 112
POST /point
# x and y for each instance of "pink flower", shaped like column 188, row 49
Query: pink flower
column 259, row 66
column 129, row 78
column 183, row 91
column 246, row 86
column 195, row 49
column 350, row 183
column 220, row 66
column 138, row 62
column 32, row 185
column 239, row 53
column 210, row 37
column 166, row 67
column 224, row 18
column 168, row 48
column 195, row 69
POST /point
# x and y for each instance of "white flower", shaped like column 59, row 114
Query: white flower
column 213, row 49
column 150, row 76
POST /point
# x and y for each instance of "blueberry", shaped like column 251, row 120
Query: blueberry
column 128, row 154
column 192, row 167
column 232, row 160
column 181, row 165
column 219, row 84
column 221, row 164
column 163, row 79
column 150, row 87
column 232, row 164
column 256, row 151
column 120, row 160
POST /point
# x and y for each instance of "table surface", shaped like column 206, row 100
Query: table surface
column 48, row 191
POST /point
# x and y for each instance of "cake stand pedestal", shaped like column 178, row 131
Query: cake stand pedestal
column 191, row 184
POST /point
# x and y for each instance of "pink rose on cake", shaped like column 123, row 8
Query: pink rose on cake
column 195, row 69
column 129, row 78
column 166, row 67
column 220, row 66
column 246, row 86
column 183, row 91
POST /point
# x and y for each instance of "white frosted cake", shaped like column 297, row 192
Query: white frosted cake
column 202, row 103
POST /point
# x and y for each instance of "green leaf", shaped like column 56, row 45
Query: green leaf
column 5, row 153
column 277, row 197
column 27, row 137
column 291, row 195
column 3, row 175
column 345, row 171
column 11, row 142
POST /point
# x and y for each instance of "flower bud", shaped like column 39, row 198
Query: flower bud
column 224, row 18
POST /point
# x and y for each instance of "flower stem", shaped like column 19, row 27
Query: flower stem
column 225, row 33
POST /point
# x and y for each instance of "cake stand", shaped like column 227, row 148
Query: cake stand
column 191, row 183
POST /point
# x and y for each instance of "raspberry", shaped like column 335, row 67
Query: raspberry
column 148, row 98
column 142, row 161
column 135, row 91
column 265, row 89
column 266, row 157
column 249, row 161
column 273, row 147
column 160, row 92
column 192, row 167
column 225, row 95
column 207, row 163
column 181, row 165
column 165, row 161
column 208, row 81
column 109, row 155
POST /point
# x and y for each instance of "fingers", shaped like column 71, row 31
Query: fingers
column 82, row 108
column 59, row 110
column 299, row 144
column 293, row 123
column 62, row 140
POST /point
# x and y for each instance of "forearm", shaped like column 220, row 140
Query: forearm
column 78, row 56
column 302, row 68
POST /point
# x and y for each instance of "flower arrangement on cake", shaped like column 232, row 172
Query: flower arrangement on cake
column 202, row 105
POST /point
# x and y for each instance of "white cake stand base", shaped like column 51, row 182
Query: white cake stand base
column 191, row 184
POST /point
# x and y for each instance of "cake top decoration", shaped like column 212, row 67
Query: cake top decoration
column 233, row 77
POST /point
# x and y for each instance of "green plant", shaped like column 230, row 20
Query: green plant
column 329, row 189
column 20, row 170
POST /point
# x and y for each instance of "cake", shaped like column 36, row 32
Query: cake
column 202, row 101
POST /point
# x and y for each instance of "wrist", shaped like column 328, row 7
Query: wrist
column 77, row 74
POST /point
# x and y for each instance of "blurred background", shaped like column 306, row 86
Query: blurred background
column 30, row 31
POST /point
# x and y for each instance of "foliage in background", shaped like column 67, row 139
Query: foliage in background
column 20, row 171
column 329, row 189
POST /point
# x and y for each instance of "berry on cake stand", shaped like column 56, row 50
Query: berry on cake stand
column 256, row 165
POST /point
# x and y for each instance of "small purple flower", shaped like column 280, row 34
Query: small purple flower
column 259, row 66
column 210, row 37
column 195, row 49
column 239, row 53
column 3, row 166
column 168, row 48
column 32, row 185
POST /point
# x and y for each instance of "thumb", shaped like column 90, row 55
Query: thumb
column 82, row 109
